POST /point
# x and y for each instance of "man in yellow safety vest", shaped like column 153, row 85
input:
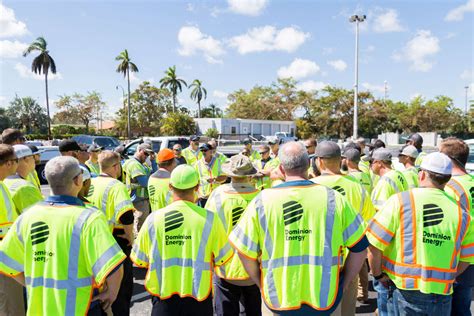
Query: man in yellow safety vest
column 407, row 157
column 158, row 185
column 209, row 168
column 62, row 250
column 192, row 153
column 179, row 245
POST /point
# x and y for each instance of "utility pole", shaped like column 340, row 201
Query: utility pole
column 356, row 19
column 385, row 89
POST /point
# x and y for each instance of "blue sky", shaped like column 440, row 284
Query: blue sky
column 418, row 47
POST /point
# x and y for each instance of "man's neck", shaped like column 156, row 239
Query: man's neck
column 330, row 172
column 94, row 160
column 22, row 173
column 384, row 170
column 458, row 171
column 294, row 178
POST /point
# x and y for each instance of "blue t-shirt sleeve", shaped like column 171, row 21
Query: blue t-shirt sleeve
column 142, row 180
column 360, row 246
column 154, row 166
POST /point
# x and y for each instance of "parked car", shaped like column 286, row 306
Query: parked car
column 157, row 143
column 470, row 159
column 106, row 142
column 49, row 152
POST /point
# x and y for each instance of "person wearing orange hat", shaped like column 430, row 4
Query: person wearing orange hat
column 158, row 185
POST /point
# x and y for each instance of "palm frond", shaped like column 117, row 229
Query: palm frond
column 37, row 64
column 133, row 67
column 52, row 64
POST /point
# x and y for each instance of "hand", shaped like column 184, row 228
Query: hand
column 128, row 238
column 211, row 180
column 106, row 298
column 385, row 281
column 152, row 156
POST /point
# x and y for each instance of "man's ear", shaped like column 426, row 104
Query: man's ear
column 280, row 167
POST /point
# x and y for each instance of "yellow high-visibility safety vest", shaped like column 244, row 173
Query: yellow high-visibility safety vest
column 191, row 156
column 266, row 182
column 159, row 190
column 111, row 197
column 352, row 190
column 33, row 178
column 64, row 252
column 462, row 189
column 23, row 192
column 8, row 212
column 298, row 239
column 411, row 175
column 364, row 180
column 389, row 184
column 419, row 159
column 423, row 234
column 133, row 168
column 229, row 202
column 255, row 156
column 207, row 171
column 93, row 167
column 179, row 245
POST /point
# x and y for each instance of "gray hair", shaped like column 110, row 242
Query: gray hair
column 60, row 171
column 294, row 158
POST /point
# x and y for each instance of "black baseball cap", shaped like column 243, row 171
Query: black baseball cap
column 68, row 145
column 194, row 138
column 205, row 147
column 327, row 149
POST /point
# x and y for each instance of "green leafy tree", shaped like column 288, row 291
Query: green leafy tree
column 43, row 63
column 198, row 93
column 79, row 108
column 126, row 65
column 173, row 83
column 178, row 124
column 212, row 133
column 212, row 110
column 26, row 114
column 147, row 106
column 5, row 120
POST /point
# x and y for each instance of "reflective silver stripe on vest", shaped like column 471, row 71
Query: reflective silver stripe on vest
column 297, row 261
column 10, row 262
column 362, row 200
column 139, row 254
column 105, row 195
column 392, row 183
column 156, row 264
column 464, row 224
column 223, row 252
column 246, row 240
column 8, row 204
column 202, row 183
column 327, row 254
column 57, row 284
column 268, row 243
column 220, row 210
column 200, row 264
column 375, row 228
column 18, row 183
column 73, row 266
column 467, row 251
column 461, row 193
column 185, row 262
column 120, row 206
column 408, row 224
column 105, row 257
column 352, row 228
column 411, row 273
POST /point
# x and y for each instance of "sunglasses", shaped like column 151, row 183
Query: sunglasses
column 179, row 149
column 263, row 152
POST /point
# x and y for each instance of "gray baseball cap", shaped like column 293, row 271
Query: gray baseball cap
column 409, row 151
column 382, row 154
column 146, row 147
column 327, row 149
column 239, row 166
column 352, row 154
column 416, row 139
column 437, row 162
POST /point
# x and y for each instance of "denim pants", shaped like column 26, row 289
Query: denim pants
column 382, row 298
column 461, row 304
column 415, row 303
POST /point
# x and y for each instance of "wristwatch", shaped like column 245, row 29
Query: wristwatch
column 378, row 277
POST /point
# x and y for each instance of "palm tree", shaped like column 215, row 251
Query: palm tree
column 216, row 111
column 125, row 67
column 42, row 63
column 198, row 93
column 173, row 83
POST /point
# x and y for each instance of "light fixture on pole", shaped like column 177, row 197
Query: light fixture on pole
column 356, row 19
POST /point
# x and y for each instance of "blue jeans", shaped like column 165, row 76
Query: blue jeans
column 415, row 303
column 382, row 298
column 461, row 304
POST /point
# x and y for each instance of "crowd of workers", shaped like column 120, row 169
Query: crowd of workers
column 299, row 225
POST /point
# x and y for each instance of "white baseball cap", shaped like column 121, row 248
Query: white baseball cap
column 437, row 162
column 410, row 151
column 86, row 175
column 22, row 151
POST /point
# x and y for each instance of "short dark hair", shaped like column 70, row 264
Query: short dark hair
column 165, row 163
column 11, row 135
column 353, row 145
column 456, row 149
column 6, row 152
column 438, row 178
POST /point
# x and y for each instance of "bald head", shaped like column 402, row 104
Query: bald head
column 62, row 174
column 294, row 159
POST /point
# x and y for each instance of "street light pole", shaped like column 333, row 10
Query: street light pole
column 123, row 93
column 356, row 19
column 385, row 88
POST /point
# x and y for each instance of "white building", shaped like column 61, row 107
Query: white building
column 229, row 126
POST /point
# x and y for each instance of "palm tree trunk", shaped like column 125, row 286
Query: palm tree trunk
column 174, row 102
column 199, row 109
column 47, row 103
column 129, row 134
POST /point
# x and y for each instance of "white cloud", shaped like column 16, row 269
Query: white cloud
column 26, row 72
column 311, row 85
column 9, row 25
column 457, row 14
column 219, row 94
column 374, row 88
column 467, row 74
column 3, row 99
column 418, row 49
column 268, row 38
column 298, row 69
column 386, row 20
column 193, row 41
column 339, row 64
column 134, row 78
column 470, row 90
column 247, row 7
column 11, row 49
